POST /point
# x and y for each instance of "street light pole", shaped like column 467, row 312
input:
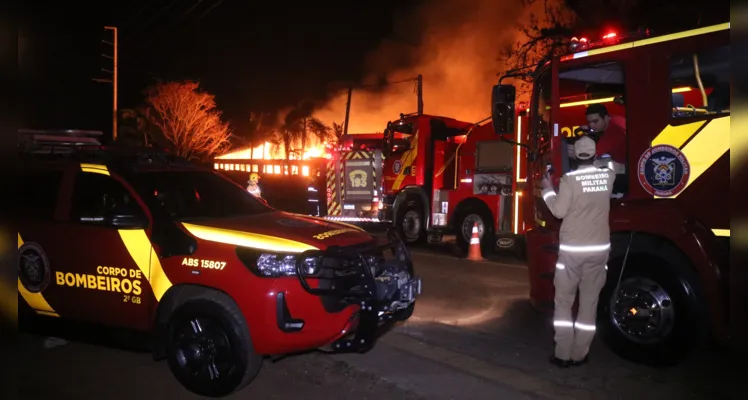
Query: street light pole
column 114, row 83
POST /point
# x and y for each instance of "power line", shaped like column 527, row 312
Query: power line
column 153, row 17
column 209, row 9
column 168, row 26
column 377, row 85
column 133, row 18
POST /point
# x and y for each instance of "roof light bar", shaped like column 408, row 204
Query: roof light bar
column 608, row 39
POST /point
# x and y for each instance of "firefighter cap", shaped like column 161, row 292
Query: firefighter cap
column 584, row 148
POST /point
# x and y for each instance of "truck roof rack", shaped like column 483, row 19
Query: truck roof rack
column 56, row 141
column 84, row 146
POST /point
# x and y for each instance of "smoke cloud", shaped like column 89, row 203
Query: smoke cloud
column 455, row 44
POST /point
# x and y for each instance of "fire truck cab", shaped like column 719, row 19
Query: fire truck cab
column 442, row 176
column 667, row 116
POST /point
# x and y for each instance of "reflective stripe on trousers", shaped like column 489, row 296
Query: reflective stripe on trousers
column 577, row 325
column 584, row 270
column 574, row 248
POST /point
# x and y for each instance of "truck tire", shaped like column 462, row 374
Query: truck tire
column 655, row 316
column 411, row 224
column 208, row 347
column 464, row 227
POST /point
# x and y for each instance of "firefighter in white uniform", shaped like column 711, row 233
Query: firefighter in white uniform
column 252, row 184
column 583, row 202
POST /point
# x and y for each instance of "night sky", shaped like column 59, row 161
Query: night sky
column 252, row 55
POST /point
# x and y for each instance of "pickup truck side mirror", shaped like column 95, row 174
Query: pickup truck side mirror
column 126, row 220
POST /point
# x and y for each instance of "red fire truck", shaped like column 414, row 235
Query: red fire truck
column 353, row 177
column 442, row 175
column 668, row 273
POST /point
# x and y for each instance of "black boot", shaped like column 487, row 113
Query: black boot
column 575, row 363
column 559, row 362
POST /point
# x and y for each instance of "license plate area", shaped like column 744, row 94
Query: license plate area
column 410, row 289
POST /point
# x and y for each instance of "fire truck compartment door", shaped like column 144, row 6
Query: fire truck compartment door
column 542, row 253
column 359, row 180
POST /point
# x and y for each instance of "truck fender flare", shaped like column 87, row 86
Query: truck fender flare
column 407, row 193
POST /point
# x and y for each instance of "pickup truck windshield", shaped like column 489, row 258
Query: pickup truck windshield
column 186, row 195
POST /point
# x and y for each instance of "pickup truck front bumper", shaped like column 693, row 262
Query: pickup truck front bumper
column 378, row 278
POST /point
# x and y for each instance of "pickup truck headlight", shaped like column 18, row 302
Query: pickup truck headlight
column 274, row 265
column 278, row 265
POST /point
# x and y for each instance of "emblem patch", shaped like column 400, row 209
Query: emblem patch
column 33, row 267
column 663, row 171
column 358, row 178
column 397, row 166
column 505, row 243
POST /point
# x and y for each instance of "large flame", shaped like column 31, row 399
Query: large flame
column 458, row 53
column 267, row 151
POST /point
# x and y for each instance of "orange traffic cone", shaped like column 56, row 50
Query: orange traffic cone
column 474, row 253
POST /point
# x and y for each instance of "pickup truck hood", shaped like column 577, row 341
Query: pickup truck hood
column 278, row 231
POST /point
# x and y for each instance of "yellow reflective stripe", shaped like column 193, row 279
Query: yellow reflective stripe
column 585, row 102
column 407, row 160
column 34, row 300
column 654, row 40
column 721, row 232
column 707, row 147
column 95, row 168
column 246, row 239
column 141, row 250
column 610, row 49
column 95, row 171
column 682, row 35
column 677, row 135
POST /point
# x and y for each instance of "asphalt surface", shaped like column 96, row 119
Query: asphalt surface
column 473, row 336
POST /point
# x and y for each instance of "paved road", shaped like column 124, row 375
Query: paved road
column 473, row 336
column 475, row 322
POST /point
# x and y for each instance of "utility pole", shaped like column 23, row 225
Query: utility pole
column 114, row 84
column 113, row 81
column 419, row 93
column 347, row 110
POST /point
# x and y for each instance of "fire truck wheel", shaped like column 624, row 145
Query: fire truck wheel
column 465, row 219
column 410, row 222
column 208, row 347
column 655, row 316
